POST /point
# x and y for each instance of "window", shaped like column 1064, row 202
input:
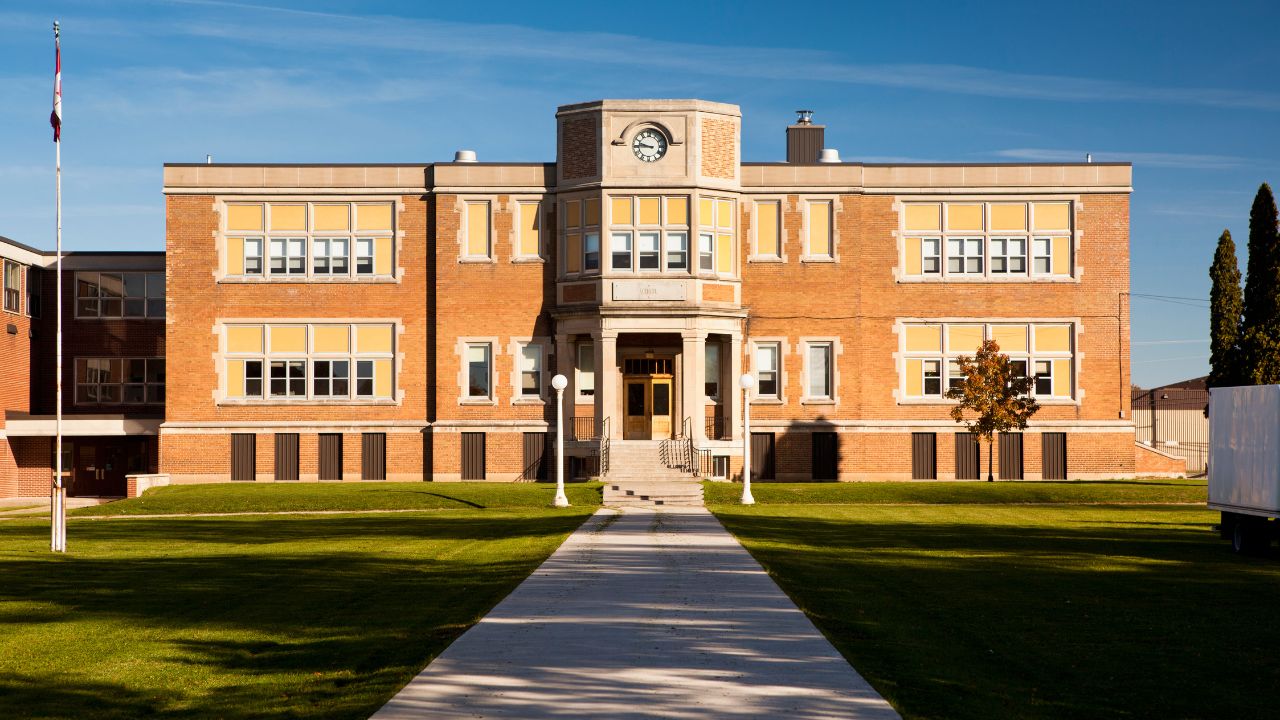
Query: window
column 768, row 229
column 964, row 256
column 650, row 255
column 477, row 242
column 320, row 240
column 116, row 381
column 1008, row 256
column 253, row 256
column 12, row 286
column 932, row 351
column 591, row 251
column 677, row 251
column 1021, row 239
column 479, row 378
column 305, row 362
column 528, row 231
column 620, row 251
column 531, row 371
column 767, row 370
column 818, row 242
column 35, row 288
column 819, row 371
column 707, row 252
column 586, row 383
column 712, row 376
column 329, row 257
column 114, row 295
column 580, row 222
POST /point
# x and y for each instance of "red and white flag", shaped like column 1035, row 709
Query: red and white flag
column 55, row 118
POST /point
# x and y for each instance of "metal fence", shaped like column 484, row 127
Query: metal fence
column 1173, row 421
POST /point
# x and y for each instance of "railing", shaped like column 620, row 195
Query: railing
column 717, row 428
column 584, row 428
column 683, row 453
column 604, row 448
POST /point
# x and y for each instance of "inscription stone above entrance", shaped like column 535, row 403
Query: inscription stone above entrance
column 648, row 290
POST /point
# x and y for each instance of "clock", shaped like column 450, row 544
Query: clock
column 649, row 145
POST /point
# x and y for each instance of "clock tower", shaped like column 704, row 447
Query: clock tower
column 648, row 143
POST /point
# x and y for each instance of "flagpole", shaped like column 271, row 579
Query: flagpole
column 59, row 523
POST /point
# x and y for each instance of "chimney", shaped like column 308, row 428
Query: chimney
column 804, row 139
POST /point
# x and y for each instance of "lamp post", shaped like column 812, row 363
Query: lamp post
column 560, row 382
column 748, row 382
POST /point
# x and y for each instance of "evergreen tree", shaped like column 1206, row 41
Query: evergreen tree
column 1224, row 315
column 1260, row 331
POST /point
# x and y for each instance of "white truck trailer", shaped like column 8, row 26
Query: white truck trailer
column 1244, row 464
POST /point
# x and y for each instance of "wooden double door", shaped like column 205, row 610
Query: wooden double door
column 647, row 406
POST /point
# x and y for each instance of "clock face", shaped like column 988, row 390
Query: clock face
column 649, row 145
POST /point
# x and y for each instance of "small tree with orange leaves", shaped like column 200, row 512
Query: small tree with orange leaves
column 998, row 397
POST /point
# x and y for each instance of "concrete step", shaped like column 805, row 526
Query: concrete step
column 652, row 493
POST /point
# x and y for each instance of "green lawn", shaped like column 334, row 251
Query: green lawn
column 966, row 610
column 1171, row 491
column 294, row 497
column 257, row 617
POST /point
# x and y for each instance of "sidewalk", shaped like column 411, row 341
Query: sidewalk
column 642, row 615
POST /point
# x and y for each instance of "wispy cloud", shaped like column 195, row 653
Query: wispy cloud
column 1167, row 160
column 462, row 42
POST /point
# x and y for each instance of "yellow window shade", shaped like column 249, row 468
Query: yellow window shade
column 1062, row 378
column 1009, row 217
column 678, row 210
column 915, row 381
column 373, row 338
column 923, row 338
column 573, row 213
column 235, row 378
column 245, row 217
column 964, row 338
column 591, row 211
column 374, row 218
column 529, row 242
column 913, row 256
column 724, row 253
column 478, row 228
column 332, row 217
column 1053, row 338
column 923, row 216
column 706, row 212
column 819, row 228
column 235, row 256
column 620, row 211
column 1061, row 256
column 964, row 217
column 767, row 229
column 1010, row 338
column 288, row 339
column 1052, row 216
column 382, row 255
column 650, row 211
column 288, row 217
column 573, row 253
column 724, row 214
column 382, row 378
column 332, row 338
column 244, row 339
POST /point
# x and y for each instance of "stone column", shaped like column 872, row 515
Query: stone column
column 732, row 396
column 606, row 350
column 693, row 399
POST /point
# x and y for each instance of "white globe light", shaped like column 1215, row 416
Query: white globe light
column 559, row 382
column 748, row 381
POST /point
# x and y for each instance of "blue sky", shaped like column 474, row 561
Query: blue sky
column 1187, row 92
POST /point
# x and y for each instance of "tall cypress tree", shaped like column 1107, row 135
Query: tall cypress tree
column 1224, row 315
column 1260, row 334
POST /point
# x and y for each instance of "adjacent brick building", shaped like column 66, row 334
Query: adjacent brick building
column 404, row 321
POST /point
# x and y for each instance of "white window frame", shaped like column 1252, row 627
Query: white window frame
column 584, row 394
column 517, row 240
column 1031, row 237
column 516, row 348
column 713, row 349
column 946, row 357
column 782, row 348
column 832, row 208
column 966, row 256
column 1008, row 257
column 465, row 235
column 834, row 350
column 353, row 356
column 615, row 252
column 464, row 370
column 11, row 267
column 756, row 255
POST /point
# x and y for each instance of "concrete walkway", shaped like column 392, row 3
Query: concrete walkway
column 642, row 615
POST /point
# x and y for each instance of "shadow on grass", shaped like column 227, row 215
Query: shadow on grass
column 328, row 624
column 1114, row 612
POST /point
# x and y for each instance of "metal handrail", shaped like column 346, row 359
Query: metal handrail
column 604, row 447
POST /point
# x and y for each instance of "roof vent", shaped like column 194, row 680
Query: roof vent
column 464, row 156
column 828, row 155
column 804, row 117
